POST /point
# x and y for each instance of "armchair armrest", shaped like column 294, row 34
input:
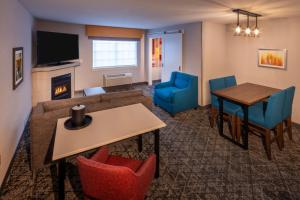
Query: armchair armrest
column 163, row 85
column 101, row 155
column 146, row 172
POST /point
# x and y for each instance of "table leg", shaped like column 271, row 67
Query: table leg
column 246, row 127
column 140, row 143
column 61, row 179
column 221, row 116
column 156, row 149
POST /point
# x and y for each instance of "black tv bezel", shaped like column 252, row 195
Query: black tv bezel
column 58, row 62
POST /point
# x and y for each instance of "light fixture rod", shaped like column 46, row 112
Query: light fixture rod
column 247, row 21
column 255, row 22
column 245, row 12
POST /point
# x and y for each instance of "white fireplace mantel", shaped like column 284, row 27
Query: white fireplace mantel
column 41, row 80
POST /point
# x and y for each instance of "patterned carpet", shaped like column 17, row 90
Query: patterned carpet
column 196, row 163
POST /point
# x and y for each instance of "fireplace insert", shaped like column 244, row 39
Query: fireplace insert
column 61, row 87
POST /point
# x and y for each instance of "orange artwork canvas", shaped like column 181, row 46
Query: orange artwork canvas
column 275, row 58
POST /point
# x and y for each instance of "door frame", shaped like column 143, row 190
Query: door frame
column 149, row 70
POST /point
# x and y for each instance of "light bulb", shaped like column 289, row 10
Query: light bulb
column 238, row 29
column 256, row 32
column 248, row 31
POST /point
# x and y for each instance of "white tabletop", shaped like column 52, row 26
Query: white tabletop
column 108, row 126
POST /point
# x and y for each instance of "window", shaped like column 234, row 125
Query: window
column 110, row 53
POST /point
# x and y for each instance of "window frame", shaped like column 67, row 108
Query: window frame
column 138, row 56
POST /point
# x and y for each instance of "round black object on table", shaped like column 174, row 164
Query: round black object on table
column 87, row 120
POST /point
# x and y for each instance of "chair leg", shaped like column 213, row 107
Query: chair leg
column 238, row 129
column 289, row 127
column 279, row 136
column 268, row 143
column 213, row 117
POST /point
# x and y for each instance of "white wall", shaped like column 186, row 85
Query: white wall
column 276, row 34
column 192, row 48
column 15, row 105
column 214, row 60
column 85, row 76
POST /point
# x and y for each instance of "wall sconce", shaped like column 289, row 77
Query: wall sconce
column 247, row 31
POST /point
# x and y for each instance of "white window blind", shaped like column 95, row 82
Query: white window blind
column 110, row 53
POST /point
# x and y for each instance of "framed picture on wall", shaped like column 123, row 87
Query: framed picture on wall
column 18, row 72
column 274, row 58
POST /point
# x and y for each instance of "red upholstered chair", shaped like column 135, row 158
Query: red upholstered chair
column 108, row 177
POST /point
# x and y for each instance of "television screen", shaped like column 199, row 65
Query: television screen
column 56, row 47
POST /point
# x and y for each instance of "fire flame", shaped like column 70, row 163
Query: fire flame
column 60, row 89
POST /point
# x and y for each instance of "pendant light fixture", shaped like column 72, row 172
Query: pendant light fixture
column 256, row 30
column 247, row 31
column 238, row 29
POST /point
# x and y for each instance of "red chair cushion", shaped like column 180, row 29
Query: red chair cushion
column 132, row 164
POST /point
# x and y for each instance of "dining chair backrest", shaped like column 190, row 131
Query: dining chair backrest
column 216, row 84
column 230, row 81
column 273, row 114
column 288, row 102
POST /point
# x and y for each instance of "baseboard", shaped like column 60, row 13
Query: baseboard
column 296, row 125
column 14, row 156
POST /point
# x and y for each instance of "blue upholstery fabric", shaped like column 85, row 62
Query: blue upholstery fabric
column 166, row 93
column 230, row 81
column 216, row 84
column 273, row 114
column 178, row 94
column 221, row 83
column 288, row 102
column 256, row 114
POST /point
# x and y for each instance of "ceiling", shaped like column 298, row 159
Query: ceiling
column 149, row 14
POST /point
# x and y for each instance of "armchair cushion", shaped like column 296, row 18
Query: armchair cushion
column 181, row 81
column 132, row 164
column 166, row 93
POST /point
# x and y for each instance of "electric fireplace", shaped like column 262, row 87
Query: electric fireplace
column 61, row 87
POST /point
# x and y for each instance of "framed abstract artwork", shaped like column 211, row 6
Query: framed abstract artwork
column 274, row 58
column 18, row 63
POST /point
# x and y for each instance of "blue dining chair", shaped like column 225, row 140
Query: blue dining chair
column 230, row 109
column 287, row 110
column 266, row 121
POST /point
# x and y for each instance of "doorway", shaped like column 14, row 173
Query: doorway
column 156, row 60
column 165, row 55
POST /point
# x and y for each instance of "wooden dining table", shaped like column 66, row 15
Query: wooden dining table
column 245, row 95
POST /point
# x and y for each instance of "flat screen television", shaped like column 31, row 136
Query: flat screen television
column 56, row 48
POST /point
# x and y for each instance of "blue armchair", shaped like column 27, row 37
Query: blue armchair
column 178, row 94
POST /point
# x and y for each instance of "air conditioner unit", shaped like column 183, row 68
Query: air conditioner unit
column 117, row 79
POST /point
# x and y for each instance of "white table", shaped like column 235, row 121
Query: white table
column 108, row 126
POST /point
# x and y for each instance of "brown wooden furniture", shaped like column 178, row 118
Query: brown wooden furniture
column 231, row 120
column 245, row 95
column 288, row 127
column 267, row 139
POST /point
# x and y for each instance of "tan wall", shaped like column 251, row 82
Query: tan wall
column 214, row 62
column 85, row 76
column 278, row 34
column 15, row 105
column 192, row 52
